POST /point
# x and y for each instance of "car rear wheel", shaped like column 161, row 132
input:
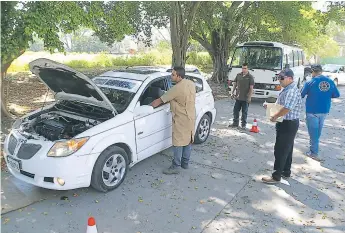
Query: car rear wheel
column 110, row 169
column 203, row 130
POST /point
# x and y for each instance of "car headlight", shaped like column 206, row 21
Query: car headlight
column 66, row 148
column 17, row 124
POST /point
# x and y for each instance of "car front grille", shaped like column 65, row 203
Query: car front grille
column 12, row 143
column 27, row 151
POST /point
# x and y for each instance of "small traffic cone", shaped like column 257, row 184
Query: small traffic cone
column 255, row 128
column 91, row 226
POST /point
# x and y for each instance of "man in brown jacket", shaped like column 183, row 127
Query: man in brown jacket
column 182, row 104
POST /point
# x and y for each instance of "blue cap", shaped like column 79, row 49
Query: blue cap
column 286, row 73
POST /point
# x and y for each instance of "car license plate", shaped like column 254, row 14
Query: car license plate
column 14, row 163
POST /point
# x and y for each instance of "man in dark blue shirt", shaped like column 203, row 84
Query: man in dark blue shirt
column 320, row 90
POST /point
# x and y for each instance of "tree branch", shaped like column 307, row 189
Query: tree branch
column 203, row 42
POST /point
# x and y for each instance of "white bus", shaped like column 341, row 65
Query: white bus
column 266, row 59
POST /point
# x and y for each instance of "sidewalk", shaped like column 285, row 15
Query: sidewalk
column 221, row 192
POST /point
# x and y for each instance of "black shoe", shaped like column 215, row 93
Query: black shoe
column 185, row 165
column 286, row 175
column 243, row 127
column 233, row 125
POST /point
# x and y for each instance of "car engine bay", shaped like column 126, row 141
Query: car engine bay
column 54, row 126
column 60, row 122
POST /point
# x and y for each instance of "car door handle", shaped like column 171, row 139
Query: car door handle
column 140, row 133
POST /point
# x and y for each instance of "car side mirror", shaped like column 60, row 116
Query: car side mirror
column 143, row 110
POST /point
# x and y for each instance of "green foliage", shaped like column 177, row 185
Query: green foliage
column 21, row 21
column 199, row 59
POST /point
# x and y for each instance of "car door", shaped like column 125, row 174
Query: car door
column 154, row 130
column 203, row 98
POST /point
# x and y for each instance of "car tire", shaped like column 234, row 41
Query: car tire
column 203, row 130
column 106, row 169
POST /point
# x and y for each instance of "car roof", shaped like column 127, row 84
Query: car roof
column 141, row 73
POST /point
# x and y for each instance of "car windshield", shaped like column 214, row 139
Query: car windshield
column 258, row 57
column 330, row 68
column 119, row 91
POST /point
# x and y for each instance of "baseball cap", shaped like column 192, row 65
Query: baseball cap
column 316, row 68
column 286, row 72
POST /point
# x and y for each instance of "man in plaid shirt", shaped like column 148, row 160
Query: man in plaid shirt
column 290, row 99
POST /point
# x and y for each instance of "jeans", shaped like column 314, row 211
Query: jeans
column 240, row 104
column 181, row 155
column 315, row 123
column 283, row 148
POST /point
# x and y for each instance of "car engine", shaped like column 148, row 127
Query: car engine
column 54, row 126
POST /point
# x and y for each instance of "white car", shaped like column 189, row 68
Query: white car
column 335, row 72
column 97, row 128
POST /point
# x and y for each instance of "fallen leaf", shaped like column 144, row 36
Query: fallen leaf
column 96, row 201
column 6, row 220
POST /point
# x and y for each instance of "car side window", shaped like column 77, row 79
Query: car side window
column 199, row 86
column 153, row 91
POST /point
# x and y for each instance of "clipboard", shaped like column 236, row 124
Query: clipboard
column 272, row 109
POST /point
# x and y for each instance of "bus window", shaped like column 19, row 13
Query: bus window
column 295, row 58
column 291, row 59
column 258, row 57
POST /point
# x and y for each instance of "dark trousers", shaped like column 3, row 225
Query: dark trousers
column 240, row 104
column 283, row 148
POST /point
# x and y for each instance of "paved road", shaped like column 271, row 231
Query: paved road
column 221, row 192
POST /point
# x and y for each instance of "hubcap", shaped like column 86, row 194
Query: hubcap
column 114, row 170
column 204, row 129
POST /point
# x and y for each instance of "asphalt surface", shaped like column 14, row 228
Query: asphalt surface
column 221, row 192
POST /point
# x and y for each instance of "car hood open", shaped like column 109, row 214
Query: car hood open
column 69, row 84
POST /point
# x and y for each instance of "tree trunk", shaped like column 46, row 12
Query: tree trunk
column 4, row 68
column 181, row 22
column 4, row 111
column 220, row 55
column 220, row 67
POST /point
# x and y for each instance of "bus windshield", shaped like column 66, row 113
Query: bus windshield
column 258, row 57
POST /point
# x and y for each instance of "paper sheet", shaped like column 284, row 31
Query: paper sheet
column 272, row 109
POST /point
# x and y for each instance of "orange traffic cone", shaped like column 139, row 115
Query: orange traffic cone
column 255, row 128
column 91, row 226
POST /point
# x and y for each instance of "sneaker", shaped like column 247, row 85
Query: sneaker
column 171, row 171
column 269, row 180
column 185, row 165
column 233, row 125
column 312, row 156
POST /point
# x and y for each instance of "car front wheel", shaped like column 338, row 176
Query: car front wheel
column 203, row 130
column 110, row 169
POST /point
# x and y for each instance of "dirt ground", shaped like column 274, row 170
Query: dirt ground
column 25, row 93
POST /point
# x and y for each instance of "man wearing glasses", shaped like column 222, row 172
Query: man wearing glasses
column 243, row 87
column 290, row 99
column 182, row 104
